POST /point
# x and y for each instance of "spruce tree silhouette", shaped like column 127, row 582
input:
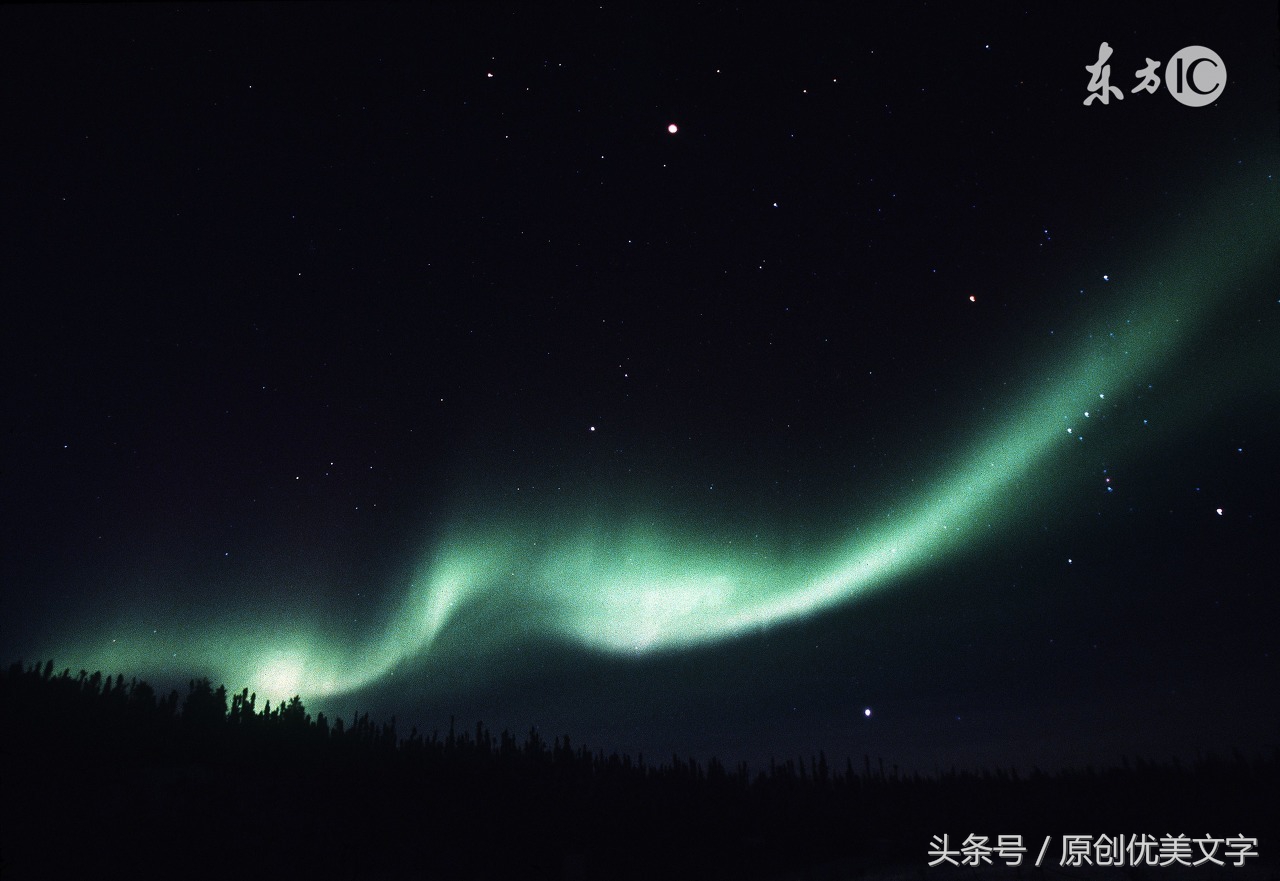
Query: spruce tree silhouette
column 308, row 797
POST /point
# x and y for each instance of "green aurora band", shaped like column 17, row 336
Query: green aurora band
column 655, row 584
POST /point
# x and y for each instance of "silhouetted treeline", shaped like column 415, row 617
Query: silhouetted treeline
column 100, row 772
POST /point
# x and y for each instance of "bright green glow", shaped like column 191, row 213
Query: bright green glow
column 282, row 675
column 639, row 587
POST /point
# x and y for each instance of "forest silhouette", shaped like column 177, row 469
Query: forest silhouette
column 104, row 774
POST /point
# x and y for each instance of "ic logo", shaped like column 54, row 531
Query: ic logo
column 1195, row 76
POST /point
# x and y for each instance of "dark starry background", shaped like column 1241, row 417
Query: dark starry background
column 290, row 285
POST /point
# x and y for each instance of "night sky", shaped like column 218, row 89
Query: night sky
column 726, row 380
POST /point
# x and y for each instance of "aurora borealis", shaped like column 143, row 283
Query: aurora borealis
column 661, row 586
column 501, row 377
